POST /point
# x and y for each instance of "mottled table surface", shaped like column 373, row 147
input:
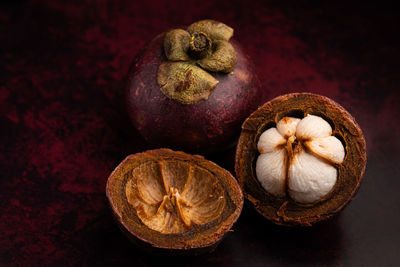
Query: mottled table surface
column 63, row 128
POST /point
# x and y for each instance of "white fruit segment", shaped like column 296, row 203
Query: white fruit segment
column 270, row 171
column 308, row 174
column 287, row 126
column 310, row 178
column 329, row 148
column 269, row 140
column 313, row 127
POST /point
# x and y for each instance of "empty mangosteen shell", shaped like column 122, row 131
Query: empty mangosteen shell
column 198, row 239
column 283, row 210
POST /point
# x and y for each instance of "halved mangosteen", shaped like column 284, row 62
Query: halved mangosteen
column 173, row 202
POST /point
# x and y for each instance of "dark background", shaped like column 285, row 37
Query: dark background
column 63, row 128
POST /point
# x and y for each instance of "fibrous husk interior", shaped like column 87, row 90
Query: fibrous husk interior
column 172, row 196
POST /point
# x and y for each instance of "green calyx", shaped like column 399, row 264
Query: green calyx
column 191, row 55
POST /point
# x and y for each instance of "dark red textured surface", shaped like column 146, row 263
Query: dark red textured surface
column 63, row 128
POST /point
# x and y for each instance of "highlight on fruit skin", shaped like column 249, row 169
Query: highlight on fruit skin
column 172, row 201
column 300, row 159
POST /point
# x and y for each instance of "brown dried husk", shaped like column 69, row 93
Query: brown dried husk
column 285, row 211
column 199, row 238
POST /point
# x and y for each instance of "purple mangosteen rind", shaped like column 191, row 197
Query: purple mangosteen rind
column 204, row 127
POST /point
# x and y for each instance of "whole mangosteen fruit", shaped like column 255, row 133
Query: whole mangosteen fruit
column 192, row 89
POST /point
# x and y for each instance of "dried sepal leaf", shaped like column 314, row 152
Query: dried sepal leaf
column 214, row 29
column 176, row 45
column 185, row 82
column 223, row 59
column 205, row 43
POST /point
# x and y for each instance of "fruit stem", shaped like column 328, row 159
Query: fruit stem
column 200, row 43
